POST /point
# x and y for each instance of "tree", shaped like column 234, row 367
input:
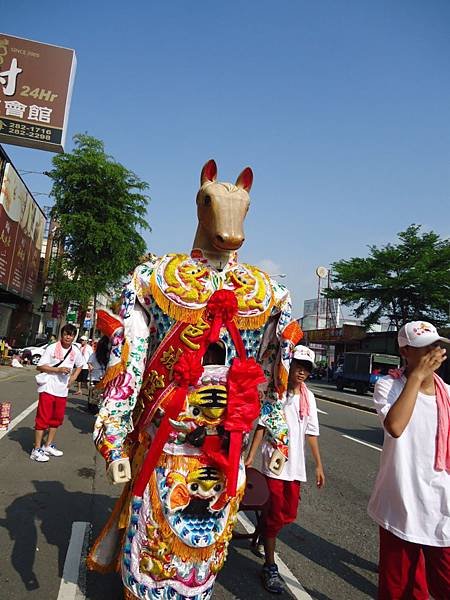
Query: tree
column 403, row 282
column 100, row 207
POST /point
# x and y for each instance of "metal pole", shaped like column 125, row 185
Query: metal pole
column 318, row 302
column 94, row 318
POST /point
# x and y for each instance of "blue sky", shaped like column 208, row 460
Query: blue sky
column 340, row 108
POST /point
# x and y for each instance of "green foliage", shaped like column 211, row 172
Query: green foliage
column 403, row 282
column 100, row 207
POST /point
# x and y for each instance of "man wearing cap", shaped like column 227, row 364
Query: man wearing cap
column 297, row 406
column 411, row 497
column 86, row 352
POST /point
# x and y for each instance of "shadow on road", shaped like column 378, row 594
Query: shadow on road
column 80, row 419
column 24, row 436
column 52, row 508
column 331, row 558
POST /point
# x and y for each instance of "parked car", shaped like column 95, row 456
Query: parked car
column 33, row 353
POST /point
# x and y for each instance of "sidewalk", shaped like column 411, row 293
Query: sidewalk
column 328, row 391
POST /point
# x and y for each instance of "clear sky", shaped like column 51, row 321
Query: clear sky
column 341, row 108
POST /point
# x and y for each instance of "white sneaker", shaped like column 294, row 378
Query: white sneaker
column 39, row 455
column 52, row 450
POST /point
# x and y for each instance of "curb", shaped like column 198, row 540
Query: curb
column 345, row 402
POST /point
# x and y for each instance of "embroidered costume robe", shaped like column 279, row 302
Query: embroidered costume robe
column 172, row 537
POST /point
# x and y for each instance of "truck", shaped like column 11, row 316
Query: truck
column 361, row 370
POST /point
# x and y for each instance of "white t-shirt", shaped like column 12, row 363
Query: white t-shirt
column 86, row 353
column 57, row 383
column 294, row 468
column 410, row 498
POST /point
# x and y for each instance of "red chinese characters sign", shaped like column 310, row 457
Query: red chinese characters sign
column 22, row 226
column 35, row 90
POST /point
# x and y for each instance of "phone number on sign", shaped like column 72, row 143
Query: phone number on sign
column 30, row 131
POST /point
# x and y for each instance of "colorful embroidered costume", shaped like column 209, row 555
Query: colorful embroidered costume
column 182, row 423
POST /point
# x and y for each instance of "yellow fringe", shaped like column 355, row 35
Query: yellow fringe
column 113, row 372
column 91, row 563
column 255, row 321
column 192, row 315
column 179, row 313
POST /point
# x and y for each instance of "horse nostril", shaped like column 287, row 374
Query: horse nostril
column 221, row 240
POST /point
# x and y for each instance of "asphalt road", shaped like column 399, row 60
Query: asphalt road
column 331, row 549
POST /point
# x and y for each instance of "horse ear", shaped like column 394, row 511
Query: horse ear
column 209, row 172
column 245, row 179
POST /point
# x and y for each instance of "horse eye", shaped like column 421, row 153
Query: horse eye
column 207, row 200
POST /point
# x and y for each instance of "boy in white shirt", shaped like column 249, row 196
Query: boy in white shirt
column 411, row 497
column 57, row 363
column 284, row 476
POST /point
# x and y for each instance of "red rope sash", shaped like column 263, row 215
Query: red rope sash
column 184, row 365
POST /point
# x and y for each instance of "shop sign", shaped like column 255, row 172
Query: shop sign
column 36, row 83
column 22, row 225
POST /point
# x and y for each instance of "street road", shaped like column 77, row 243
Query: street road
column 331, row 550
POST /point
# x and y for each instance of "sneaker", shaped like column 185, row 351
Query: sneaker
column 39, row 455
column 52, row 450
column 258, row 548
column 271, row 579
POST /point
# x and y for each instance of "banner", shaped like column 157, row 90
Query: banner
column 35, row 91
column 22, row 226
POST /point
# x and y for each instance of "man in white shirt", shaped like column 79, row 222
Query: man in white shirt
column 411, row 497
column 57, row 373
column 86, row 352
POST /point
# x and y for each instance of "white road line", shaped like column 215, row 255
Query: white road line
column 19, row 418
column 292, row 582
column 321, row 411
column 70, row 584
column 349, row 437
column 374, row 414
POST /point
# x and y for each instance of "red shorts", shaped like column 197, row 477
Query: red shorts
column 410, row 571
column 50, row 411
column 282, row 507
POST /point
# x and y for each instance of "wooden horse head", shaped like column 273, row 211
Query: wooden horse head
column 221, row 210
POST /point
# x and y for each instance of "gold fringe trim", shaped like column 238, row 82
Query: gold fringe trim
column 171, row 308
column 91, row 563
column 127, row 595
column 192, row 315
column 113, row 372
column 255, row 321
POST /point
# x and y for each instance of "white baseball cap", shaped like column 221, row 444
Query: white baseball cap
column 304, row 353
column 84, row 338
column 419, row 334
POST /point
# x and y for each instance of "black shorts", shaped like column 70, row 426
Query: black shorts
column 83, row 376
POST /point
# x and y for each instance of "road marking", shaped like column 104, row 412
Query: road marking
column 321, row 411
column 19, row 418
column 349, row 437
column 73, row 581
column 368, row 412
column 292, row 582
